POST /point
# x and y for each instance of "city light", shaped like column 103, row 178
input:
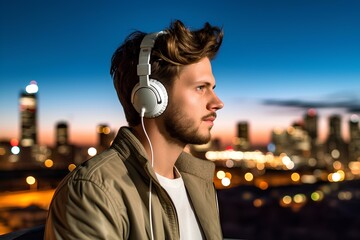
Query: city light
column 355, row 168
column 345, row 195
column 299, row 198
column 103, row 129
column 287, row 162
column 220, row 174
column 225, row 181
column 258, row 203
column 48, row 163
column 354, row 118
column 71, row 167
column 32, row 87
column 308, row 179
column 15, row 150
column 14, row 142
column 249, row 176
column 286, row 200
column 335, row 153
column 263, row 185
column 295, row 177
column 92, row 151
column 31, row 181
column 317, row 196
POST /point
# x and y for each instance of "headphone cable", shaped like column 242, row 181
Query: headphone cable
column 152, row 165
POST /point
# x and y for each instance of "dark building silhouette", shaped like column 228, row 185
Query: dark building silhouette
column 62, row 136
column 64, row 152
column 354, row 141
column 311, row 124
column 311, row 127
column 242, row 142
column 335, row 145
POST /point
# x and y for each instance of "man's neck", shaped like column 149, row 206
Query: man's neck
column 166, row 152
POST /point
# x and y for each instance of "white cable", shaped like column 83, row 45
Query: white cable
column 152, row 165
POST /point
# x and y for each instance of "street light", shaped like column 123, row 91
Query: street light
column 32, row 182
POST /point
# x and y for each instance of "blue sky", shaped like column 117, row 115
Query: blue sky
column 278, row 58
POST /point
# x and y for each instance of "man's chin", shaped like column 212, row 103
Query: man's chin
column 200, row 140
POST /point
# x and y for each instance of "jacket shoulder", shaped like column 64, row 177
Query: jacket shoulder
column 103, row 171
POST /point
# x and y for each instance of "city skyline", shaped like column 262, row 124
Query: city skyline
column 277, row 60
column 28, row 104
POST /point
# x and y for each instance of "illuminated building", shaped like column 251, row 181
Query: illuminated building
column 354, row 143
column 311, row 124
column 242, row 142
column 335, row 126
column 278, row 141
column 28, row 115
column 28, row 126
column 335, row 145
column 311, row 127
column 64, row 152
column 62, row 137
column 293, row 141
column 298, row 141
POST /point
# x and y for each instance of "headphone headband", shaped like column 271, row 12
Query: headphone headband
column 144, row 66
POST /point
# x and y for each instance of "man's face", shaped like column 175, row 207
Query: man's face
column 192, row 104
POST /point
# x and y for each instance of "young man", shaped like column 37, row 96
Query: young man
column 145, row 186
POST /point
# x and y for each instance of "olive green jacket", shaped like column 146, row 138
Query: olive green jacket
column 107, row 197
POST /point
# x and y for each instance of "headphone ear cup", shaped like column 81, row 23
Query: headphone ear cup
column 152, row 98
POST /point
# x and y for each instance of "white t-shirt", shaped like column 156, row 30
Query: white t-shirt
column 189, row 227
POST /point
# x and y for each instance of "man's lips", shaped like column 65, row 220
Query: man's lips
column 210, row 118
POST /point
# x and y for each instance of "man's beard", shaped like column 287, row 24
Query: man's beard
column 183, row 128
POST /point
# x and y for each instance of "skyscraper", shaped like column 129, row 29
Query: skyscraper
column 354, row 141
column 242, row 141
column 62, row 136
column 28, row 115
column 310, row 123
column 311, row 127
column 335, row 145
column 64, row 152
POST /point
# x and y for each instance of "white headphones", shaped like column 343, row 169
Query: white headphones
column 149, row 96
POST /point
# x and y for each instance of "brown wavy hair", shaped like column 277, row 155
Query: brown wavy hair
column 178, row 47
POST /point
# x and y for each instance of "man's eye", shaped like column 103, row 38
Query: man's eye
column 200, row 88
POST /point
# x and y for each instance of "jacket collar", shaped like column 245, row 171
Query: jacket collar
column 133, row 152
column 127, row 144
